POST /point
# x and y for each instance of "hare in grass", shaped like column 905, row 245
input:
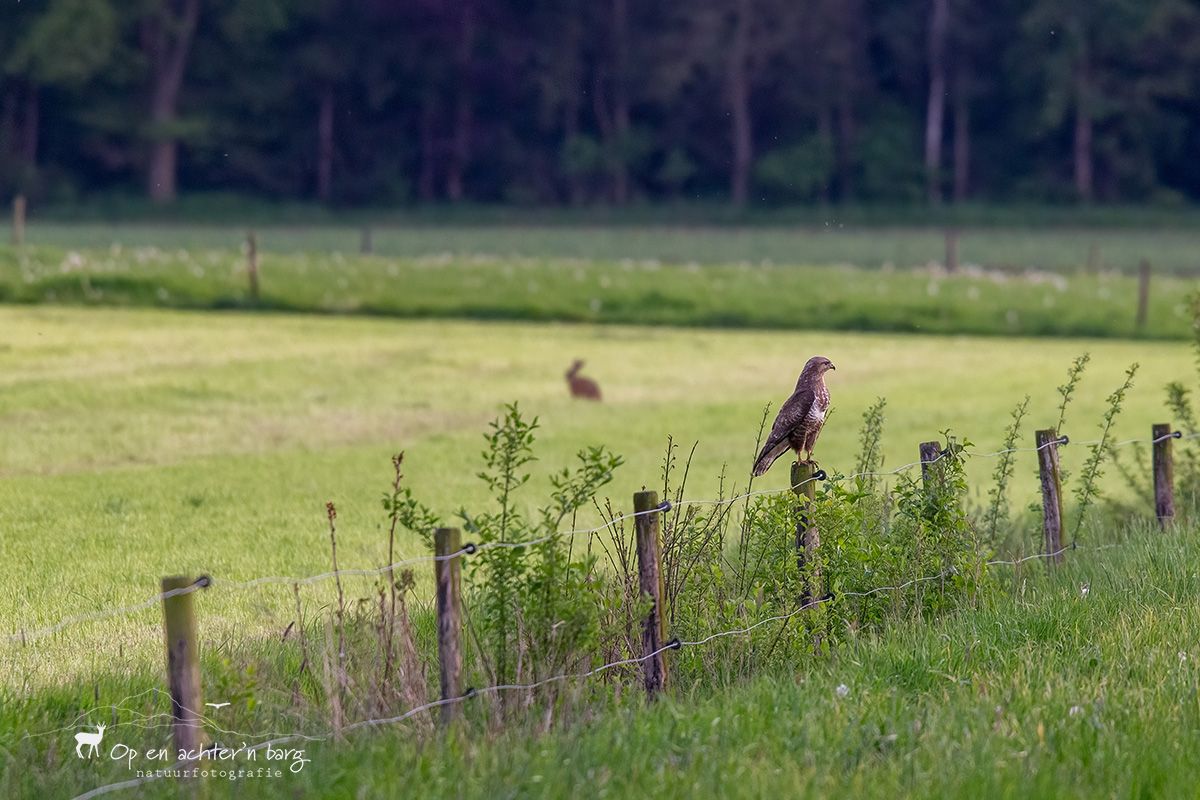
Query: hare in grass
column 580, row 386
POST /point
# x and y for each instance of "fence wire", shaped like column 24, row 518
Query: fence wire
column 26, row 635
column 674, row 644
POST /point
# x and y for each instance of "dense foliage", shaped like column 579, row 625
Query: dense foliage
column 375, row 102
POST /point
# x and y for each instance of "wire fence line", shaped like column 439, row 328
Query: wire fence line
column 674, row 644
column 26, row 634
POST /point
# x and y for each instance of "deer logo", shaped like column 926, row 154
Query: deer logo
column 92, row 740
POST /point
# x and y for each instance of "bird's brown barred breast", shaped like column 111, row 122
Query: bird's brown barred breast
column 800, row 418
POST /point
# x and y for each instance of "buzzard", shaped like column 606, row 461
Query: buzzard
column 800, row 418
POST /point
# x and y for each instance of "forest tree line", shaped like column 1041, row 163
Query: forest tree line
column 356, row 102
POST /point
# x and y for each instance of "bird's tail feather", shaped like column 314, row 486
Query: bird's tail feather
column 770, row 452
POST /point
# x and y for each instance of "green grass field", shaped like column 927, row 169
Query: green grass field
column 1042, row 692
column 181, row 438
column 794, row 295
column 816, row 239
column 141, row 442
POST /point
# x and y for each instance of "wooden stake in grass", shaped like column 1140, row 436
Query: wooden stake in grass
column 365, row 245
column 252, row 264
column 650, row 578
column 932, row 470
column 18, row 220
column 183, row 660
column 1164, row 475
column 1143, row 306
column 951, row 250
column 1052, row 508
column 448, row 576
column 808, row 538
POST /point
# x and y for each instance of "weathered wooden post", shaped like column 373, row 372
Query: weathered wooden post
column 1052, row 508
column 183, row 661
column 951, row 250
column 365, row 245
column 448, row 576
column 252, row 264
column 1164, row 474
column 18, row 220
column 1143, row 306
column 808, row 538
column 650, row 579
column 932, row 471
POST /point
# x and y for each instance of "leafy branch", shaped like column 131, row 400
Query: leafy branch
column 1086, row 492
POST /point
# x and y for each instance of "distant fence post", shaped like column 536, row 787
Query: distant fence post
column 808, row 538
column 448, row 575
column 1143, row 306
column 1093, row 259
column 951, row 250
column 650, row 580
column 1164, row 474
column 252, row 264
column 183, row 660
column 1052, row 508
column 18, row 220
column 365, row 245
column 931, row 468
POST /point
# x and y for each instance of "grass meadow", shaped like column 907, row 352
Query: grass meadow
column 1172, row 248
column 152, row 423
column 754, row 295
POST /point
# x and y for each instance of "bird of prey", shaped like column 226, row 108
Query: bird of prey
column 217, row 705
column 800, row 417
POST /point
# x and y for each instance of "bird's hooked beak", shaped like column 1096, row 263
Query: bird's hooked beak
column 831, row 366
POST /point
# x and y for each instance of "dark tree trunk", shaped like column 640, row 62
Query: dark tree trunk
column 1083, row 132
column 742, row 130
column 161, row 176
column 826, row 136
column 325, row 145
column 935, row 110
column 8, row 123
column 464, row 106
column 575, row 185
column 845, row 147
column 573, row 101
column 168, row 39
column 427, row 178
column 620, row 102
column 31, row 125
column 962, row 144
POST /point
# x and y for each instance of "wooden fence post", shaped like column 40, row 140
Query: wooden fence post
column 1164, row 474
column 951, row 250
column 1052, row 508
column 650, row 578
column 448, row 575
column 932, row 470
column 252, row 264
column 365, row 245
column 183, row 661
column 1143, row 306
column 18, row 220
column 808, row 538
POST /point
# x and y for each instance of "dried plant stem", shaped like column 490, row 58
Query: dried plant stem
column 998, row 508
column 1092, row 468
column 1067, row 390
column 340, row 676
